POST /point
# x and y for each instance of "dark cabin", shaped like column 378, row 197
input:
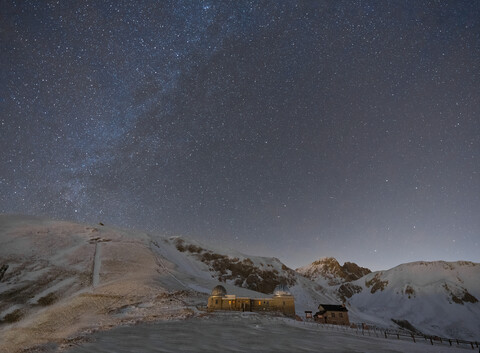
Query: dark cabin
column 332, row 314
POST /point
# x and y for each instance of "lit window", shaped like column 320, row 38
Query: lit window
column 229, row 302
column 259, row 302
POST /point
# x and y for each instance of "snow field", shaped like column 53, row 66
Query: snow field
column 246, row 333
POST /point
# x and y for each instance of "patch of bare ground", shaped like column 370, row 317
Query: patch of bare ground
column 3, row 269
column 376, row 283
column 347, row 290
column 469, row 298
column 460, row 297
column 406, row 325
column 44, row 276
column 409, row 291
column 14, row 316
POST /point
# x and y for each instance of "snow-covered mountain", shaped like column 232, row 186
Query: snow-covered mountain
column 438, row 298
column 59, row 279
column 328, row 271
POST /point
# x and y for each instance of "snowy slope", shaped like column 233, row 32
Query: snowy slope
column 249, row 332
column 438, row 298
column 241, row 274
column 63, row 278
column 421, row 293
column 42, row 258
column 59, row 279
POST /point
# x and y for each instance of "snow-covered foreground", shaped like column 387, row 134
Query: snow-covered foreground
column 60, row 281
column 246, row 333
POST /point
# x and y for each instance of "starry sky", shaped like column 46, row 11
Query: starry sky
column 294, row 129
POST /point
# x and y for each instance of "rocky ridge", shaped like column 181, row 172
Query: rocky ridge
column 329, row 269
column 261, row 277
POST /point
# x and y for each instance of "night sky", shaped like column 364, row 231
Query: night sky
column 290, row 129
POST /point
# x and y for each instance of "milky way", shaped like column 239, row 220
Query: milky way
column 290, row 129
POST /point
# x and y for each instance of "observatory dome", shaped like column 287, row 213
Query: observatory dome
column 281, row 290
column 219, row 291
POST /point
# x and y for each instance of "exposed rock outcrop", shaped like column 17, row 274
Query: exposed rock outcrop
column 329, row 269
column 347, row 290
column 3, row 269
column 244, row 273
column 376, row 283
column 460, row 297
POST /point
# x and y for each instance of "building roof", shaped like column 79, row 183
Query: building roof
column 331, row 307
column 219, row 291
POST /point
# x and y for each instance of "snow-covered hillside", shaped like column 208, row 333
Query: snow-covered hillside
column 59, row 279
column 62, row 279
column 249, row 332
column 438, row 298
column 253, row 276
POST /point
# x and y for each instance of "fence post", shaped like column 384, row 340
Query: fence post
column 450, row 341
column 471, row 344
column 398, row 336
column 431, row 341
column 385, row 334
column 458, row 343
column 413, row 337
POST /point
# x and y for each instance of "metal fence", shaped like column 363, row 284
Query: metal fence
column 368, row 330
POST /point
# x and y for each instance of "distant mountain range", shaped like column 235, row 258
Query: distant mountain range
column 58, row 279
column 437, row 298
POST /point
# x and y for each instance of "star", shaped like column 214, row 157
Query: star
column 209, row 118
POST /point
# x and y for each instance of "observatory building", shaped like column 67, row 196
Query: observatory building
column 281, row 302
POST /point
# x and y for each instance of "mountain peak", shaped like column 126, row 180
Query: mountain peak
column 330, row 269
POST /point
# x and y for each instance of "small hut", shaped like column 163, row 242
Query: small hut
column 332, row 314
